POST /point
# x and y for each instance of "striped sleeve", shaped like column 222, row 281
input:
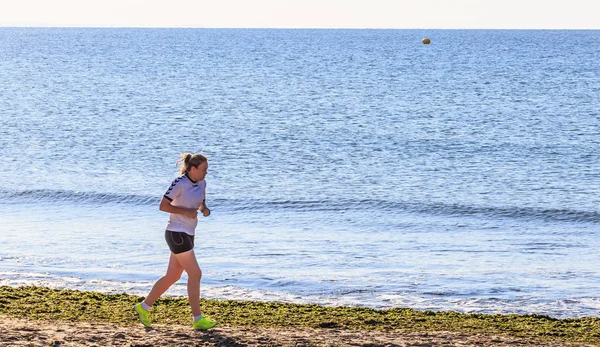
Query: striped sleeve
column 174, row 190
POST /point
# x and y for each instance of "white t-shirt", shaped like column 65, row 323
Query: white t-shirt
column 184, row 192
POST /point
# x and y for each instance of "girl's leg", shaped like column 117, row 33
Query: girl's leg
column 188, row 262
column 173, row 274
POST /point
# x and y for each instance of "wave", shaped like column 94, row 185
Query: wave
column 425, row 208
column 325, row 205
column 511, row 212
column 76, row 196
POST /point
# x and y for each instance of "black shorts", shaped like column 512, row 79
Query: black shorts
column 179, row 242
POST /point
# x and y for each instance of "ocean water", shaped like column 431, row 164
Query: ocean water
column 347, row 167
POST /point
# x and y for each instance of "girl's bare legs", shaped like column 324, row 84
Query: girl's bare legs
column 174, row 271
column 187, row 260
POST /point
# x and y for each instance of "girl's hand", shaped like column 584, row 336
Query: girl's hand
column 206, row 212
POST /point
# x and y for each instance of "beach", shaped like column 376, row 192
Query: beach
column 23, row 332
column 364, row 188
column 37, row 316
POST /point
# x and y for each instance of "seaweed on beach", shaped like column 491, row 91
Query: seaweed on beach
column 70, row 305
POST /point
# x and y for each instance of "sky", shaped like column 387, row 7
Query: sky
column 384, row 14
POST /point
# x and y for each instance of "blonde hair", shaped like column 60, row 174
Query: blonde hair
column 188, row 160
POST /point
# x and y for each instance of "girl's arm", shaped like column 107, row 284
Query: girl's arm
column 165, row 206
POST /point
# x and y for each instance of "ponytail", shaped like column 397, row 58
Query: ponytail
column 188, row 160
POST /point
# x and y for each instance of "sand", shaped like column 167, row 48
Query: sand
column 22, row 332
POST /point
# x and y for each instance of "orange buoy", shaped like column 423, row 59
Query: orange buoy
column 426, row 41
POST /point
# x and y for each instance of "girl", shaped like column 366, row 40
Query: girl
column 183, row 199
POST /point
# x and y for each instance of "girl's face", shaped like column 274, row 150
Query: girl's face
column 197, row 173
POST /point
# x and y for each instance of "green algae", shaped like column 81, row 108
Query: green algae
column 71, row 305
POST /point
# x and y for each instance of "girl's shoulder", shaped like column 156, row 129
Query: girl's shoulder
column 181, row 178
column 179, row 181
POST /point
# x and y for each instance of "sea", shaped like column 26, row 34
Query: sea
column 346, row 167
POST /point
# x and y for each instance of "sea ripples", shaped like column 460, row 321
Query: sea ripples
column 262, row 205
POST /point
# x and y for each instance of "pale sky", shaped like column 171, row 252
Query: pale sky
column 393, row 14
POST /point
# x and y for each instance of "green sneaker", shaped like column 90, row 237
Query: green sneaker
column 144, row 315
column 204, row 323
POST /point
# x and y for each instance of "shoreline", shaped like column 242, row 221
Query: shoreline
column 45, row 314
